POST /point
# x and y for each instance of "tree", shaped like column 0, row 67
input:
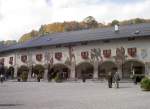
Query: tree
column 2, row 42
column 42, row 30
column 10, row 42
column 138, row 20
column 72, row 26
column 114, row 22
column 134, row 21
column 29, row 36
column 90, row 22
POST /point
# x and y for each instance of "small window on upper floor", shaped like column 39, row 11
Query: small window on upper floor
column 58, row 46
column 106, row 41
column 131, row 38
column 84, row 43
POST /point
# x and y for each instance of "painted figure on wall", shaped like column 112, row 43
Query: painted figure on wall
column 58, row 56
column 120, row 55
column 71, row 54
column 144, row 53
column 49, row 58
column 96, row 54
column 71, row 59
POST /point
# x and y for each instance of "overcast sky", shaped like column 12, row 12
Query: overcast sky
column 21, row 16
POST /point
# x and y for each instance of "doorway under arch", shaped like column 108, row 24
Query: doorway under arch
column 59, row 69
column 84, row 69
column 104, row 68
column 132, row 67
column 10, row 73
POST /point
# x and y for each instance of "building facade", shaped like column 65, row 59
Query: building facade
column 94, row 52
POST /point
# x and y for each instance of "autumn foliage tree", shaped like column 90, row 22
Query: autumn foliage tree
column 87, row 23
column 29, row 36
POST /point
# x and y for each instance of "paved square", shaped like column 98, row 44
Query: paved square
column 90, row 95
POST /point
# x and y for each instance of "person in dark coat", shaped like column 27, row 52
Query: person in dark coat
column 116, row 79
column 110, row 78
column 2, row 71
column 83, row 76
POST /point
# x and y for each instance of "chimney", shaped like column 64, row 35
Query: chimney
column 116, row 28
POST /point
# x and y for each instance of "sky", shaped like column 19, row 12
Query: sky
column 18, row 17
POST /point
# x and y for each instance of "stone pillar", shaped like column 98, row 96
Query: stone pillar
column 72, row 73
column 29, row 74
column 120, row 71
column 15, row 65
column 95, row 75
column 15, row 71
column 147, row 68
column 45, row 74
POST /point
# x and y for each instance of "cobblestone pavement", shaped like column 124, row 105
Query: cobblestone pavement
column 90, row 95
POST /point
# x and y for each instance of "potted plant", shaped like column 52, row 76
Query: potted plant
column 57, row 78
column 24, row 76
column 145, row 84
column 22, row 73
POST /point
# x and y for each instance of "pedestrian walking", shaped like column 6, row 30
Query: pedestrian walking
column 110, row 79
column 1, row 78
column 116, row 79
column 83, row 76
column 2, row 72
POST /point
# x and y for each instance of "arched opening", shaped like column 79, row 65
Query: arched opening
column 38, row 72
column 10, row 73
column 104, row 68
column 22, row 73
column 84, row 69
column 59, row 70
column 132, row 67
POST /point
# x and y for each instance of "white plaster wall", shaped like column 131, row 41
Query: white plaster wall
column 7, row 57
column 34, row 52
column 140, row 44
column 65, row 54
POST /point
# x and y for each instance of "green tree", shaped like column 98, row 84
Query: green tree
column 29, row 36
column 114, row 22
column 10, row 42
column 90, row 22
column 42, row 30
column 138, row 20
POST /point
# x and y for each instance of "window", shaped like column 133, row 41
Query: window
column 131, row 38
column 132, row 52
column 84, row 43
column 58, row 46
column 11, row 60
column 58, row 55
column 106, row 41
column 85, row 55
column 24, row 58
column 107, row 53
column 39, row 57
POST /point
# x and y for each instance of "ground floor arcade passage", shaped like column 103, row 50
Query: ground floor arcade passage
column 86, row 69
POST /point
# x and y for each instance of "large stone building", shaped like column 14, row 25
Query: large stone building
column 94, row 51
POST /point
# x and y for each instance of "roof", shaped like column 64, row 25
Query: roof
column 136, row 30
column 2, row 46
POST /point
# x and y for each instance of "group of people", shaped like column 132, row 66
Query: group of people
column 113, row 77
